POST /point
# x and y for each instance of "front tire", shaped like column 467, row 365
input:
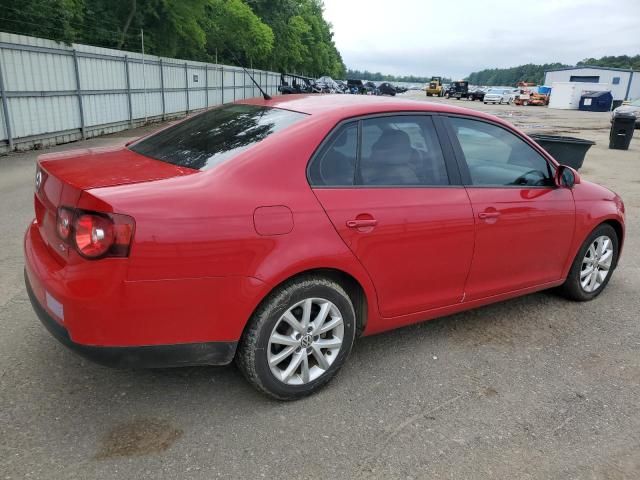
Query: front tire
column 298, row 339
column 593, row 266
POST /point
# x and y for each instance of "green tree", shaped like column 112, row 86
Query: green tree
column 621, row 61
column 377, row 76
column 511, row 76
column 284, row 35
column 233, row 30
column 56, row 19
column 303, row 38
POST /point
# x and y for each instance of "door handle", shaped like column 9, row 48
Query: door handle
column 486, row 215
column 363, row 223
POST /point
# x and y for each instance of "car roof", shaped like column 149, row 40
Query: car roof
column 355, row 105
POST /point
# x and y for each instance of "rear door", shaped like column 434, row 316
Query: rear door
column 395, row 198
column 524, row 223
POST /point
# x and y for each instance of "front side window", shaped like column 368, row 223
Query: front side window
column 212, row 137
column 497, row 157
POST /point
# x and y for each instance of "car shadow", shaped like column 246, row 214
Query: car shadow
column 520, row 322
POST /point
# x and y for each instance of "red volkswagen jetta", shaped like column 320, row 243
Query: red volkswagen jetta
column 274, row 232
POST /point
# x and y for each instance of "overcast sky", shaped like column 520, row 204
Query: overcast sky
column 454, row 38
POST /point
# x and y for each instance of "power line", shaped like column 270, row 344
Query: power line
column 81, row 27
column 49, row 36
column 21, row 11
column 117, row 35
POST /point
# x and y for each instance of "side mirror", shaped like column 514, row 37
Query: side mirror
column 566, row 177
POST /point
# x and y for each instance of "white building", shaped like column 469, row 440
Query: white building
column 625, row 84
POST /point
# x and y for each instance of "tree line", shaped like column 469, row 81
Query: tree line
column 280, row 35
column 535, row 73
column 380, row 77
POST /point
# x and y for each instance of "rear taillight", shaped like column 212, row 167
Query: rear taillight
column 95, row 234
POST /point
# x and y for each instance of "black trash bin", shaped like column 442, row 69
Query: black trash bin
column 622, row 131
column 568, row 151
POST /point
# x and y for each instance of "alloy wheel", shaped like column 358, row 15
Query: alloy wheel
column 305, row 341
column 596, row 264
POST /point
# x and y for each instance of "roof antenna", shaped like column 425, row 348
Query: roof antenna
column 264, row 94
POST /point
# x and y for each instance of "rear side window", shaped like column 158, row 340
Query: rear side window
column 497, row 157
column 335, row 164
column 210, row 138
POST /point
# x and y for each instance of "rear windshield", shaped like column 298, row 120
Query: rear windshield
column 210, row 138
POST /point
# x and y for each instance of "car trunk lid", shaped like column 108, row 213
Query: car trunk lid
column 106, row 167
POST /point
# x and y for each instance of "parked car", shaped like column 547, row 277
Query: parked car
column 244, row 233
column 385, row 88
column 458, row 90
column 632, row 108
column 477, row 94
column 499, row 96
column 327, row 84
column 298, row 85
column 356, row 86
column 371, row 88
column 342, row 86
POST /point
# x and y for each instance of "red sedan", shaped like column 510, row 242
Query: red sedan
column 274, row 232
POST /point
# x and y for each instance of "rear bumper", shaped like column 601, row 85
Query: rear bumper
column 150, row 356
column 94, row 309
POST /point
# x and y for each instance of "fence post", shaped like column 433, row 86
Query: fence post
column 186, row 84
column 162, row 87
column 79, row 94
column 234, row 85
column 126, row 72
column 5, row 109
column 206, row 85
column 244, row 84
column 222, row 85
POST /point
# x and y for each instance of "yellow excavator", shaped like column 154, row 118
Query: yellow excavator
column 435, row 89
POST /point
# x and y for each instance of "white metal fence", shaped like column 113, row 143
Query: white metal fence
column 51, row 93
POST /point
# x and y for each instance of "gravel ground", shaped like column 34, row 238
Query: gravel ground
column 536, row 387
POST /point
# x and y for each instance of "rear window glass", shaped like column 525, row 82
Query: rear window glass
column 210, row 138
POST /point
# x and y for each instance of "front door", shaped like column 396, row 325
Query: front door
column 390, row 199
column 524, row 223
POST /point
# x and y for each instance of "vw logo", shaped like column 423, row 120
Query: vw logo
column 38, row 179
column 306, row 341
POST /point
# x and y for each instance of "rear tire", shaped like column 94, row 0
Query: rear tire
column 589, row 259
column 288, row 350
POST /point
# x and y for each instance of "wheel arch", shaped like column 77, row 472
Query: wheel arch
column 614, row 222
column 350, row 283
column 619, row 229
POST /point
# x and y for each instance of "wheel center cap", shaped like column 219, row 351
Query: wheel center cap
column 306, row 341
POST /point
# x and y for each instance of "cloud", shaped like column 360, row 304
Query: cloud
column 453, row 39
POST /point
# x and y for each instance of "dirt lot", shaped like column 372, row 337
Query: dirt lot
column 533, row 388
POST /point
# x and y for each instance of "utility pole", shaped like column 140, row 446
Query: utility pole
column 144, row 78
